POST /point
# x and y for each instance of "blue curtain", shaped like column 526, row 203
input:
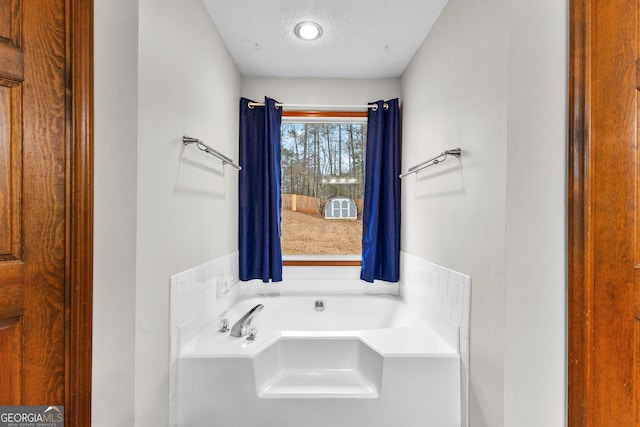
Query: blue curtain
column 381, row 212
column 259, row 187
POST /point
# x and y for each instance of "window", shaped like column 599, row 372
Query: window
column 323, row 168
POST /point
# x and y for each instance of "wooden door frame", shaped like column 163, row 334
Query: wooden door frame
column 580, row 279
column 79, row 248
column 583, row 398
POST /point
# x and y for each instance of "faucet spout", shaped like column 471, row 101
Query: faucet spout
column 240, row 327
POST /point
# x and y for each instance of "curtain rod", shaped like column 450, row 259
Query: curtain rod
column 374, row 107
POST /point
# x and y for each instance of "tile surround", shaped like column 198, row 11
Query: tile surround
column 443, row 298
column 197, row 297
column 319, row 280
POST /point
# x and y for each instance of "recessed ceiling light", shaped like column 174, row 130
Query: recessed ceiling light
column 308, row 31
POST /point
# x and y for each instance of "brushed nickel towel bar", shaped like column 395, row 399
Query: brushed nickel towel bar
column 456, row 152
column 186, row 140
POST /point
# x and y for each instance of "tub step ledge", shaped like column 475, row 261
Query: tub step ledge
column 320, row 383
column 297, row 367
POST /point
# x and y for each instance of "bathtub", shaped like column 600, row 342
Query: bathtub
column 320, row 361
column 334, row 313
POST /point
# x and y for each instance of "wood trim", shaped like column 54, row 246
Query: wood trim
column 80, row 213
column 12, row 300
column 12, row 65
column 580, row 250
column 7, row 323
column 12, row 289
column 328, row 263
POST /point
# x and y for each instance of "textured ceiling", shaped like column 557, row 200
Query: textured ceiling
column 362, row 38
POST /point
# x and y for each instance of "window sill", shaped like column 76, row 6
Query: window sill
column 322, row 260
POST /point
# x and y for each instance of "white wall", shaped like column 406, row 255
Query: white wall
column 115, row 132
column 491, row 78
column 455, row 95
column 188, row 85
column 535, row 297
column 161, row 72
column 321, row 91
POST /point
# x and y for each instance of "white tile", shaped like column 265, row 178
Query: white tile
column 446, row 308
column 466, row 321
column 464, row 401
column 172, row 378
column 434, row 301
column 448, row 293
column 184, row 277
column 452, row 290
column 443, row 271
column 465, row 382
column 174, row 348
column 456, row 314
column 464, row 353
column 460, row 295
column 457, row 277
column 467, row 296
column 174, row 294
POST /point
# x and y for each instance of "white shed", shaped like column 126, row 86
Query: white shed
column 341, row 208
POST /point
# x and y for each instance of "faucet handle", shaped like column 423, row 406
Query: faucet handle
column 252, row 333
column 223, row 326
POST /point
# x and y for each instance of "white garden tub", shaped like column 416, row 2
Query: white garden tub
column 360, row 361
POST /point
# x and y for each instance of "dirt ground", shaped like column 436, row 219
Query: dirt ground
column 309, row 234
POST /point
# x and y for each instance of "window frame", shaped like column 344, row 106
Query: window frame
column 323, row 260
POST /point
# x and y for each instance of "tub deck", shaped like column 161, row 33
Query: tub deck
column 402, row 342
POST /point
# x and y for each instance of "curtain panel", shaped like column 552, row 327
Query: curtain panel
column 381, row 213
column 260, row 252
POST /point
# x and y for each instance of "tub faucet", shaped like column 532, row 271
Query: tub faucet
column 240, row 327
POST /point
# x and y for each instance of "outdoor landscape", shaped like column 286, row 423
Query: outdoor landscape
column 321, row 161
column 310, row 234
